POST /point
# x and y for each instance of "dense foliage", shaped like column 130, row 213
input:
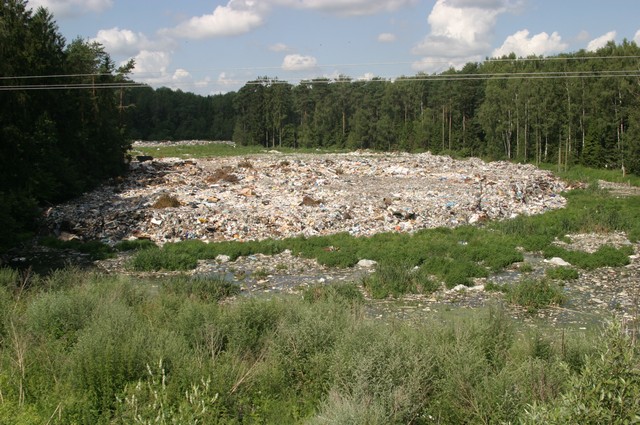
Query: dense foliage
column 579, row 108
column 55, row 141
column 85, row 348
column 164, row 114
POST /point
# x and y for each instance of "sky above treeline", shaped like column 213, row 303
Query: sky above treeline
column 210, row 47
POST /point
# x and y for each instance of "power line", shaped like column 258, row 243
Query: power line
column 71, row 86
column 318, row 80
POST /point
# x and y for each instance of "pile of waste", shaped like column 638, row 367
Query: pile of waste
column 275, row 195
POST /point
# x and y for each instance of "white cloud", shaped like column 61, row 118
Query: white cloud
column 121, row 41
column 224, row 80
column 636, row 37
column 601, row 41
column 347, row 7
column 297, row 62
column 279, row 47
column 386, row 37
column 461, row 31
column 66, row 8
column 181, row 75
column 241, row 16
column 151, row 67
column 235, row 18
column 439, row 64
column 522, row 45
column 368, row 76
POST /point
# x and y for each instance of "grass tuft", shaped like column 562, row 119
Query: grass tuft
column 535, row 293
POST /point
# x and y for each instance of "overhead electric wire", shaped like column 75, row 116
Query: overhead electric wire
column 70, row 86
column 323, row 79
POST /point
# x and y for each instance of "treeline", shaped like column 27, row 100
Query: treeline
column 165, row 114
column 579, row 108
column 59, row 135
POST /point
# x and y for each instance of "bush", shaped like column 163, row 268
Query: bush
column 562, row 273
column 60, row 315
column 112, row 352
column 535, row 293
column 134, row 245
column 151, row 401
column 606, row 391
column 346, row 292
column 248, row 326
column 397, row 279
column 155, row 259
column 390, row 370
column 393, row 279
column 205, row 288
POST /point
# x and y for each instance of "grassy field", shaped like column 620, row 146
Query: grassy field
column 216, row 149
column 80, row 347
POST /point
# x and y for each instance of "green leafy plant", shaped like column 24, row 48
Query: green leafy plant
column 535, row 293
column 562, row 273
column 206, row 288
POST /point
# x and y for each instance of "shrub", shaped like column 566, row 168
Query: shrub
column 151, row 401
column 205, row 288
column 535, row 293
column 346, row 292
column 525, row 268
column 249, row 325
column 60, row 315
column 393, row 279
column 390, row 370
column 606, row 391
column 9, row 278
column 134, row 245
column 113, row 351
column 303, row 344
column 154, row 259
column 562, row 273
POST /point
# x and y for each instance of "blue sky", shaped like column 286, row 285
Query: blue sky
column 212, row 47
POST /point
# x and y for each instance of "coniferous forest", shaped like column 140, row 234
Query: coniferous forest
column 579, row 108
column 56, row 142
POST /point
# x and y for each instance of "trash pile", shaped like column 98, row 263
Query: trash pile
column 276, row 195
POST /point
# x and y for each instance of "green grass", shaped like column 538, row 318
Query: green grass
column 113, row 349
column 206, row 288
column 562, row 273
column 591, row 175
column 96, row 250
column 397, row 279
column 217, row 150
column 534, row 293
column 134, row 245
